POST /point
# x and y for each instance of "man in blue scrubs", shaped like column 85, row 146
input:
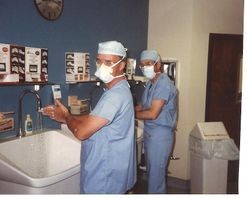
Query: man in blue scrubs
column 158, row 110
column 108, row 156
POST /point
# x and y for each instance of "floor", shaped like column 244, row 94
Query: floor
column 175, row 186
column 141, row 185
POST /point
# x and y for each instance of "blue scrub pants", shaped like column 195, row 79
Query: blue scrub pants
column 157, row 148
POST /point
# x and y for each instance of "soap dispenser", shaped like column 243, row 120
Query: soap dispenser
column 28, row 125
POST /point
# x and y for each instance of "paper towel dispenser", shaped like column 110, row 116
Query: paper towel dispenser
column 210, row 131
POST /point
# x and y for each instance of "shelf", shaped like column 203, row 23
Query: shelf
column 80, row 82
column 24, row 83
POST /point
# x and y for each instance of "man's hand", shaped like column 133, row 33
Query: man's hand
column 1, row 115
column 56, row 112
column 138, row 108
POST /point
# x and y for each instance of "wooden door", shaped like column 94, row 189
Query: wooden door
column 223, row 96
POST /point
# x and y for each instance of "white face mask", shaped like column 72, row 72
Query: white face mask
column 104, row 72
column 148, row 72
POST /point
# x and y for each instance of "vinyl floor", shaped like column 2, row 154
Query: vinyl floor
column 173, row 188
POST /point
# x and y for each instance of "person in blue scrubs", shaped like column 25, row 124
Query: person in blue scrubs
column 158, row 110
column 108, row 155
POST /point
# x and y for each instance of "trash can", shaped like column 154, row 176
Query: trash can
column 210, row 149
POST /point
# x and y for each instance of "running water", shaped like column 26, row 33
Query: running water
column 39, row 122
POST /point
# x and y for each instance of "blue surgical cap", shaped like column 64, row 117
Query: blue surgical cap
column 112, row 48
column 150, row 55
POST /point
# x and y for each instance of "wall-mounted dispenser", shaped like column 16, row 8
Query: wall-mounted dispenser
column 56, row 90
column 171, row 68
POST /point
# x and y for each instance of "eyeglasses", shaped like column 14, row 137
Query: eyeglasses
column 146, row 64
column 99, row 62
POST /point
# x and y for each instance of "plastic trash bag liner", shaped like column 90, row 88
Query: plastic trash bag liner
column 221, row 149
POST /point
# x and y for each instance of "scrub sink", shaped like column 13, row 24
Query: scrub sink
column 43, row 163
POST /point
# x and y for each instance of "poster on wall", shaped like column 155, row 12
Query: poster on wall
column 23, row 64
column 36, row 64
column 10, row 60
column 77, row 67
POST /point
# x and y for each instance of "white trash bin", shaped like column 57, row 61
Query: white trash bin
column 210, row 149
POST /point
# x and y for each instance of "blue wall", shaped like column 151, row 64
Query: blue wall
column 82, row 25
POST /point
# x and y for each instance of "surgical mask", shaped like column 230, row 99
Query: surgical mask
column 104, row 72
column 148, row 72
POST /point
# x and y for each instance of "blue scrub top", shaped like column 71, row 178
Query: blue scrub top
column 108, row 157
column 163, row 89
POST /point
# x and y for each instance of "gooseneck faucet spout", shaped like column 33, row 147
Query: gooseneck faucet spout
column 20, row 132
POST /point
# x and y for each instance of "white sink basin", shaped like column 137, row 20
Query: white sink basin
column 39, row 160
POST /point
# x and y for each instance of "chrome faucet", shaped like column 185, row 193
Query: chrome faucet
column 20, row 132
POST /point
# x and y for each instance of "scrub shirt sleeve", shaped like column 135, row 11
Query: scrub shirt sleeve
column 107, row 107
column 162, row 90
